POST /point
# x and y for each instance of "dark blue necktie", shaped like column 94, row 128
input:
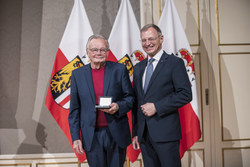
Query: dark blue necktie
column 149, row 73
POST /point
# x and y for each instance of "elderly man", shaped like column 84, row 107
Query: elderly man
column 103, row 133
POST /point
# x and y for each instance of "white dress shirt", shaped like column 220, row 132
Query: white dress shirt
column 157, row 58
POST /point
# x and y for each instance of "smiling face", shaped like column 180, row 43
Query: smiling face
column 151, row 41
column 97, row 51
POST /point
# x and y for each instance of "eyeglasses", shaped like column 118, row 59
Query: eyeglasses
column 95, row 50
column 149, row 39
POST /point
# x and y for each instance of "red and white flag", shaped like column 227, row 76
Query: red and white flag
column 175, row 41
column 70, row 55
column 125, row 47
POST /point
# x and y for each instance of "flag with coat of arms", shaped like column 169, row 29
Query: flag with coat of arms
column 175, row 41
column 125, row 47
column 70, row 55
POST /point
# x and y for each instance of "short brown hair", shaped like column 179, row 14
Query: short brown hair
column 146, row 27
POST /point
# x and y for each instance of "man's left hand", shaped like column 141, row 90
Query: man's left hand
column 148, row 109
column 112, row 110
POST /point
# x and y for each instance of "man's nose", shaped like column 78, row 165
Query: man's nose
column 147, row 42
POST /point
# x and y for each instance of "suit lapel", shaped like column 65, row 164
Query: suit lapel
column 107, row 75
column 90, row 83
column 141, row 72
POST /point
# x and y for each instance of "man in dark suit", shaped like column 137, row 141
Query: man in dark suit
column 161, row 86
column 103, row 133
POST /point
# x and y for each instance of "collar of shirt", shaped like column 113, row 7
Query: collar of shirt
column 157, row 58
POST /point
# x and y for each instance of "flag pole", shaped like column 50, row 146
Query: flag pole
column 159, row 8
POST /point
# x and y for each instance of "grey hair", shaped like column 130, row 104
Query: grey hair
column 146, row 27
column 97, row 36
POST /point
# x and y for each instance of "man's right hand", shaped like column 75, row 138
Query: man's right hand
column 77, row 145
column 135, row 143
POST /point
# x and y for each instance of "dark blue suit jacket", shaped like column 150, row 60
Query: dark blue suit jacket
column 169, row 89
column 82, row 116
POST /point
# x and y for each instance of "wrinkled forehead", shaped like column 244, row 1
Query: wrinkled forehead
column 97, row 43
column 150, row 32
